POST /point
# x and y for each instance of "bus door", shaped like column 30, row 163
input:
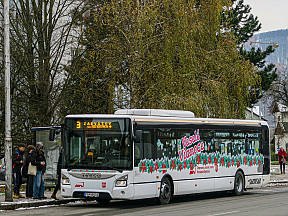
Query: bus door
column 144, row 173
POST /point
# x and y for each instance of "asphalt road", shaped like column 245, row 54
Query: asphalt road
column 265, row 201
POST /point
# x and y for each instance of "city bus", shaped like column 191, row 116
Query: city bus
column 149, row 153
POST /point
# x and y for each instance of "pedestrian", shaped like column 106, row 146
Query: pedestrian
column 282, row 159
column 30, row 178
column 40, row 162
column 59, row 167
column 18, row 162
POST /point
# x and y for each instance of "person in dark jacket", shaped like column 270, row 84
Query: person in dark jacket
column 30, row 178
column 39, row 161
column 59, row 166
column 18, row 161
column 282, row 159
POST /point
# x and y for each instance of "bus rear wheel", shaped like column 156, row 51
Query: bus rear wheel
column 165, row 191
column 239, row 184
column 103, row 201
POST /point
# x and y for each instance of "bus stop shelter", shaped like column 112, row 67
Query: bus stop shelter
column 51, row 150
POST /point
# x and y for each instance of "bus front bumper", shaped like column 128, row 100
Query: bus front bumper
column 126, row 193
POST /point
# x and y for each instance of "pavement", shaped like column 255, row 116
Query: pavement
column 276, row 179
column 30, row 202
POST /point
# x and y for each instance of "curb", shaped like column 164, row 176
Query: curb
column 13, row 206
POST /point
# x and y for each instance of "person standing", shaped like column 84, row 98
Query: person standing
column 282, row 159
column 30, row 178
column 40, row 162
column 59, row 167
column 18, row 162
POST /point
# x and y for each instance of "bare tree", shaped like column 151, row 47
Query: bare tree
column 279, row 88
column 42, row 35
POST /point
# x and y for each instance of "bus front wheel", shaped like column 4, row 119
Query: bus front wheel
column 239, row 184
column 165, row 191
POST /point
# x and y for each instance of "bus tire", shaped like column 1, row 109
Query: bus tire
column 165, row 191
column 103, row 201
column 238, row 184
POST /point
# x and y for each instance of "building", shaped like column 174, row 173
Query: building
column 254, row 114
column 281, row 126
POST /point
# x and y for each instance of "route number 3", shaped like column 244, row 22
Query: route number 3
column 78, row 124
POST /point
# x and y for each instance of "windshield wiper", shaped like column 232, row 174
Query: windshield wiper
column 75, row 164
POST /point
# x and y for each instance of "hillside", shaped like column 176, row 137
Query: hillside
column 279, row 57
column 280, row 37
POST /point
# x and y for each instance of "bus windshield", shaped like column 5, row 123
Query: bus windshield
column 104, row 144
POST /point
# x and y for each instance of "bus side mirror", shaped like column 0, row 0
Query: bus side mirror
column 52, row 134
column 138, row 136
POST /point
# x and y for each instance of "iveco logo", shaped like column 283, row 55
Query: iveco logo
column 91, row 175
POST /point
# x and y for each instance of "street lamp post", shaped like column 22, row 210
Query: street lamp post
column 8, row 139
column 275, row 45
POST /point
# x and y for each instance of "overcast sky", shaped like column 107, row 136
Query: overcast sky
column 273, row 14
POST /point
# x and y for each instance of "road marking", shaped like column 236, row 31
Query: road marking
column 224, row 213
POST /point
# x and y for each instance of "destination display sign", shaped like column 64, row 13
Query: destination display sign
column 93, row 125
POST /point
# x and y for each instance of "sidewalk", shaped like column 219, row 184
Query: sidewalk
column 27, row 203
column 276, row 177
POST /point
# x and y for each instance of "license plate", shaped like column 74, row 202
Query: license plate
column 91, row 194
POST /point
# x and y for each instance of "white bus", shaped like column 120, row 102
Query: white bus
column 146, row 153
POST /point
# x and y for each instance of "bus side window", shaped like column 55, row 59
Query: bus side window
column 222, row 142
column 253, row 140
column 207, row 136
column 222, row 146
column 144, row 150
column 166, row 148
column 75, row 144
column 166, row 143
column 238, row 147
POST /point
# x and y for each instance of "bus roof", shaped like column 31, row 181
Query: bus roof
column 167, row 119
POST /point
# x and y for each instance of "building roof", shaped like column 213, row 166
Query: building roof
column 278, row 107
column 256, row 110
column 281, row 128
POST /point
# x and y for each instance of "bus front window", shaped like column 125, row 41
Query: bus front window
column 99, row 147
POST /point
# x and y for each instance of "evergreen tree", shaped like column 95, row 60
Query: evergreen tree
column 244, row 25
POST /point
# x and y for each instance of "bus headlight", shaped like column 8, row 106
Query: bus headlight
column 122, row 181
column 65, row 180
